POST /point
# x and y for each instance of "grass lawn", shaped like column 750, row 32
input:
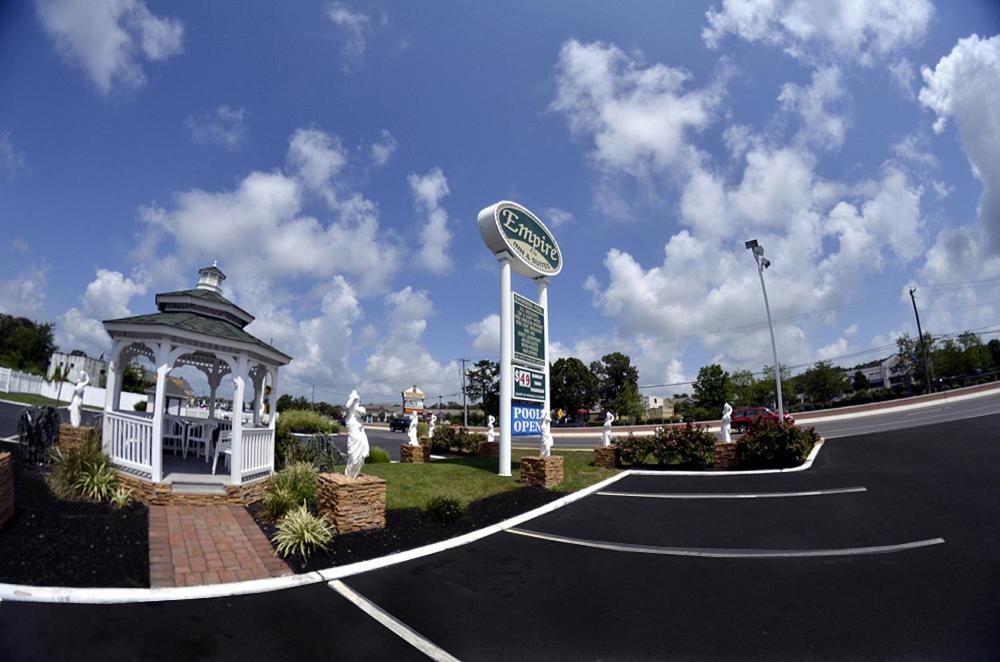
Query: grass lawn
column 31, row 399
column 469, row 478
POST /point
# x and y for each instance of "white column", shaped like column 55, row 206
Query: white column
column 506, row 353
column 159, row 409
column 543, row 301
column 274, row 397
column 110, row 385
column 239, row 379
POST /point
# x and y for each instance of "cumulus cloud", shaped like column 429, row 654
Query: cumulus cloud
column 383, row 150
column 821, row 126
column 556, row 217
column 965, row 86
column 486, row 335
column 106, row 297
column 24, row 294
column 435, row 237
column 223, row 126
column 821, row 30
column 904, row 76
column 355, row 28
column 109, row 39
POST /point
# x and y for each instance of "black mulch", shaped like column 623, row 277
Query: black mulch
column 409, row 528
column 53, row 542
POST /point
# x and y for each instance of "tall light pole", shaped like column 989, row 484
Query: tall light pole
column 762, row 264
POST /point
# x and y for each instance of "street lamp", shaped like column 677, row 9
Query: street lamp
column 762, row 264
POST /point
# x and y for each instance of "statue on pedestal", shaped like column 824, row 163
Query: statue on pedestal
column 606, row 436
column 77, row 402
column 546, row 441
column 433, row 425
column 357, row 440
column 411, row 432
column 727, row 417
column 490, row 432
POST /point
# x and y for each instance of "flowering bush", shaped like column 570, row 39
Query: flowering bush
column 769, row 444
column 632, row 450
column 689, row 446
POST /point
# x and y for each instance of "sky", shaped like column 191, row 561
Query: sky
column 333, row 157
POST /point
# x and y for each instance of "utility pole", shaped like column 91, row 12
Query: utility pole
column 465, row 409
column 923, row 345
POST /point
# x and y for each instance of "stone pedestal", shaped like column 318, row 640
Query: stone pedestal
column 70, row 436
column 725, row 456
column 489, row 450
column 6, row 488
column 414, row 454
column 541, row 471
column 606, row 458
column 352, row 504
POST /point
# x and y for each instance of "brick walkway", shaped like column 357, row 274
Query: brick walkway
column 192, row 545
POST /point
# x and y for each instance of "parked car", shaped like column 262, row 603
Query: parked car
column 399, row 424
column 744, row 416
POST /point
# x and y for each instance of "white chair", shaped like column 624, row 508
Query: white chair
column 200, row 436
column 173, row 435
column 223, row 447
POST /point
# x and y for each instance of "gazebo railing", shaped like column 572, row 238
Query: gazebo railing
column 258, row 451
column 128, row 441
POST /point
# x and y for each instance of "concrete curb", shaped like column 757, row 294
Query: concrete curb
column 66, row 595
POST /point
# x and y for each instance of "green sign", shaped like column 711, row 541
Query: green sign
column 529, row 238
column 529, row 384
column 529, row 331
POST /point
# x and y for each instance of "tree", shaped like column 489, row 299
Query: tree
column 25, row 345
column 994, row 347
column 823, row 382
column 948, row 359
column 482, row 385
column 713, row 387
column 765, row 393
column 859, row 382
column 628, row 402
column 613, row 372
column 573, row 385
column 132, row 379
column 911, row 356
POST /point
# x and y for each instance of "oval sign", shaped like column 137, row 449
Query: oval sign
column 507, row 226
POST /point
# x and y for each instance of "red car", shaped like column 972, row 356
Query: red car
column 744, row 416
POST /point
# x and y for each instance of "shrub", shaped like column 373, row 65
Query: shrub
column 773, row 445
column 139, row 406
column 37, row 431
column 276, row 505
column 632, row 450
column 121, row 497
column 298, row 421
column 422, row 429
column 690, row 446
column 377, row 455
column 84, row 472
column 318, row 450
column 444, row 510
column 470, row 441
column 300, row 532
column 292, row 486
column 445, row 437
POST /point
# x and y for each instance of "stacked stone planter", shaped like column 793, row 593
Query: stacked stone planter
column 606, row 458
column 489, row 450
column 352, row 504
column 6, row 488
column 70, row 437
column 725, row 456
column 414, row 454
column 542, row 471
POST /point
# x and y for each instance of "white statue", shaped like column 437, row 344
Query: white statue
column 411, row 431
column 490, row 432
column 546, row 446
column 77, row 402
column 606, row 437
column 430, row 430
column 727, row 417
column 357, row 440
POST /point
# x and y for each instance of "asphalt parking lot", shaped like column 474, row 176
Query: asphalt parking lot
column 888, row 548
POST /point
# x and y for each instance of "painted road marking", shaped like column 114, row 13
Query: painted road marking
column 727, row 553
column 757, row 495
column 398, row 628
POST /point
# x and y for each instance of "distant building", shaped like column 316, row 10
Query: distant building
column 881, row 373
column 653, row 406
column 70, row 365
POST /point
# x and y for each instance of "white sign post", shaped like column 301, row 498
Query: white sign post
column 520, row 241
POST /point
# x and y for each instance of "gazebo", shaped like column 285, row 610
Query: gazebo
column 203, row 329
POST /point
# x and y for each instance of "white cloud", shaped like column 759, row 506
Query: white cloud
column 820, row 127
column 486, row 335
column 556, row 217
column 223, row 126
column 106, row 297
column 355, row 27
column 965, row 85
column 810, row 30
column 24, row 294
column 108, row 38
column 317, row 157
column 637, row 115
column 913, row 148
column 383, row 150
column 19, row 245
column 904, row 76
column 11, row 161
column 834, row 350
column 435, row 237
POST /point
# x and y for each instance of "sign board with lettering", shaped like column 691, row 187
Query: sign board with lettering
column 529, row 331
column 526, row 420
column 529, row 384
column 508, row 227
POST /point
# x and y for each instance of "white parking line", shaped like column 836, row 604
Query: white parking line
column 398, row 628
column 757, row 495
column 727, row 553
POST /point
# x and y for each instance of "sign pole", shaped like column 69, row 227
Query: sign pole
column 543, row 301
column 506, row 369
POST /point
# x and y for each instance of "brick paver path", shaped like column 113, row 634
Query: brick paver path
column 192, row 545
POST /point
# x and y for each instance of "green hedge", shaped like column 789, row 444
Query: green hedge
column 773, row 445
column 455, row 439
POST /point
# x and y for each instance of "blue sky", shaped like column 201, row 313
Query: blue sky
column 333, row 157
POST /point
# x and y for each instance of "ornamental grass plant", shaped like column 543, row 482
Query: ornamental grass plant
column 300, row 532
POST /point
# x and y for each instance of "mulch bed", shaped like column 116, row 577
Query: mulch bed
column 409, row 528
column 53, row 542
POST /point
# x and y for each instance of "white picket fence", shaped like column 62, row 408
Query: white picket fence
column 14, row 381
column 258, row 450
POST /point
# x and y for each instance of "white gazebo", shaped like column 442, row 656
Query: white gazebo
column 203, row 329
